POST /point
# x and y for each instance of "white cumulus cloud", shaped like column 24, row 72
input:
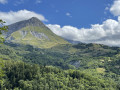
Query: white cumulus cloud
column 115, row 8
column 107, row 33
column 3, row 1
column 12, row 17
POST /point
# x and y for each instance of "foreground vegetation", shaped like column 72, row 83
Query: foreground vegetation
column 20, row 75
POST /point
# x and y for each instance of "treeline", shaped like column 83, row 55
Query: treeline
column 22, row 76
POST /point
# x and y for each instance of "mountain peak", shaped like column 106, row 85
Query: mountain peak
column 34, row 21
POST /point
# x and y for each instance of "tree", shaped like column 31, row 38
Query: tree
column 2, row 29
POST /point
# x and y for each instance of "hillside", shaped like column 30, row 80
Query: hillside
column 86, row 56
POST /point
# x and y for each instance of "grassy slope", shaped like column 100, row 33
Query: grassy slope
column 41, row 43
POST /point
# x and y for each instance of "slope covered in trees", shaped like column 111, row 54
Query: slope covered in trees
column 20, row 75
column 88, row 56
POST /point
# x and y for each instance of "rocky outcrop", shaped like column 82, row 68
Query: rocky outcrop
column 75, row 63
column 39, row 35
column 23, row 33
column 9, row 39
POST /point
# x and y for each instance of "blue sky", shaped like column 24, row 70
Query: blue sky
column 77, row 13
column 88, row 21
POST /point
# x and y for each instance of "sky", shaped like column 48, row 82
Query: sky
column 89, row 21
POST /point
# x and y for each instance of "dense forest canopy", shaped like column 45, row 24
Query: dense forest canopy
column 20, row 75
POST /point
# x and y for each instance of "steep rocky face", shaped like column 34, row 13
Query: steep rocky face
column 33, row 32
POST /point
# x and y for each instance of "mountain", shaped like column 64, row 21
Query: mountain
column 33, row 32
column 73, row 42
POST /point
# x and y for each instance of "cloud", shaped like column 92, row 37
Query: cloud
column 38, row 1
column 3, row 1
column 68, row 14
column 12, row 17
column 115, row 8
column 107, row 8
column 107, row 33
column 57, row 11
column 18, row 2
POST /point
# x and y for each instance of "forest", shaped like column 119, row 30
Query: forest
column 22, row 76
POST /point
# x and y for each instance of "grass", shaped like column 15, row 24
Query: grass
column 52, row 40
column 100, row 70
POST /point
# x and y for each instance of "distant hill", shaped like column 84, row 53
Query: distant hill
column 73, row 42
column 33, row 32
